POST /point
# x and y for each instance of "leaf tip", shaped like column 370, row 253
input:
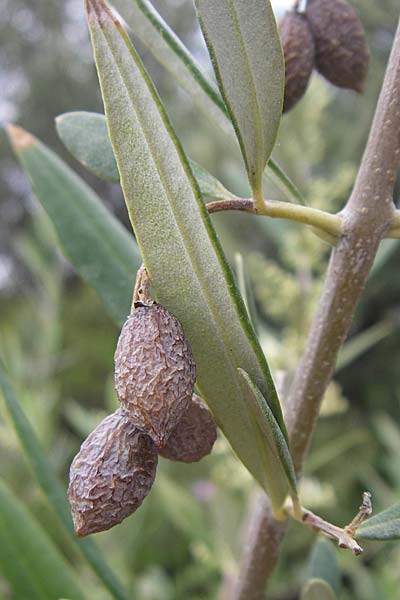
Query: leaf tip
column 18, row 137
column 98, row 10
column 95, row 9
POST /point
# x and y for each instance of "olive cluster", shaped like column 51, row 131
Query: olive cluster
column 159, row 414
column 327, row 36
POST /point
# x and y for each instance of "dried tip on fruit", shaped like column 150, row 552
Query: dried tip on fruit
column 141, row 293
column 154, row 371
column 298, row 49
column 341, row 51
column 111, row 475
column 194, row 435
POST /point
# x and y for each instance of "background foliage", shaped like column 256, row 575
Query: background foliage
column 57, row 342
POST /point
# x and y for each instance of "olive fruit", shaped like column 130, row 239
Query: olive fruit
column 341, row 51
column 298, row 49
column 154, row 370
column 193, row 436
column 111, row 475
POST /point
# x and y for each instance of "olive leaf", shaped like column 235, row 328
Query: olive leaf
column 243, row 39
column 53, row 490
column 86, row 137
column 166, row 47
column 179, row 247
column 383, row 527
column 317, row 589
column 323, row 564
column 99, row 247
column 29, row 561
column 272, row 442
column 364, row 341
column 179, row 506
column 149, row 26
column 210, row 186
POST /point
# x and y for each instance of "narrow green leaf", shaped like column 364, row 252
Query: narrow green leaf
column 29, row 561
column 284, row 183
column 331, row 450
column 98, row 246
column 246, row 53
column 362, row 342
column 53, row 490
column 386, row 250
column 274, row 446
column 383, row 527
column 324, row 565
column 182, row 509
column 86, row 137
column 317, row 589
column 168, row 50
column 178, row 243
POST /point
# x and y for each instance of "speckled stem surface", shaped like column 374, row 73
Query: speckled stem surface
column 366, row 217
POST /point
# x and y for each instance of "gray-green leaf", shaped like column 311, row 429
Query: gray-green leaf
column 210, row 186
column 384, row 526
column 273, row 446
column 29, row 561
column 364, row 341
column 246, row 53
column 178, row 243
column 85, row 135
column 99, row 247
column 317, row 589
column 324, row 565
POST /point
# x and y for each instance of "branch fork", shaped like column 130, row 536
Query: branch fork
column 345, row 535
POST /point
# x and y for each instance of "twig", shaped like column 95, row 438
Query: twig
column 244, row 204
column 345, row 535
column 365, row 511
column 367, row 216
column 344, row 540
column 319, row 219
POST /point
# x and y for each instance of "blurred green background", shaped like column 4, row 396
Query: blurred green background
column 57, row 341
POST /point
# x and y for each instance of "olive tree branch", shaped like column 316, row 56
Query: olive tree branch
column 366, row 218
